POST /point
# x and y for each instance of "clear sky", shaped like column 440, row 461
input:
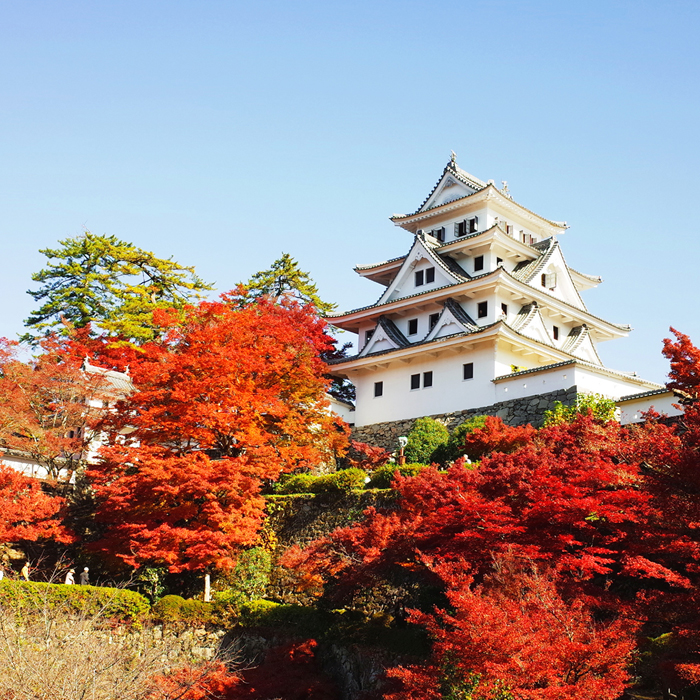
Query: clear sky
column 226, row 133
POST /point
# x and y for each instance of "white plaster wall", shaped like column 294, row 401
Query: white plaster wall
column 610, row 386
column 532, row 384
column 448, row 393
column 631, row 411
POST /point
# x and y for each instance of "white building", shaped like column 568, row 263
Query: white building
column 482, row 309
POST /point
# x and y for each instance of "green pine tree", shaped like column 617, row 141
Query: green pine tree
column 102, row 280
column 285, row 279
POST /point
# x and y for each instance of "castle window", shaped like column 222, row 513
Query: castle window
column 504, row 309
column 482, row 309
column 432, row 320
column 461, row 228
column 427, row 379
column 478, row 263
column 468, row 371
column 419, row 278
column 415, row 381
column 555, row 332
column 439, row 233
column 474, row 224
column 368, row 336
column 378, row 388
column 549, row 280
column 413, row 326
column 508, row 229
column 430, row 275
column 498, row 261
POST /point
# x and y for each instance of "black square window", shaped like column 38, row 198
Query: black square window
column 555, row 332
column 430, row 275
column 427, row 379
column 413, row 326
column 479, row 263
column 461, row 228
column 419, row 278
column 468, row 371
column 432, row 320
column 504, row 309
column 482, row 309
column 415, row 381
column 378, row 388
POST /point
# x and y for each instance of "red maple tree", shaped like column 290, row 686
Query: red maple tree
column 232, row 395
column 27, row 513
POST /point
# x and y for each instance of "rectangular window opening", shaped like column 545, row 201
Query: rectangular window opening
column 504, row 309
column 474, row 224
column 419, row 278
column 430, row 275
column 478, row 263
column 432, row 320
column 498, row 261
column 415, row 381
column 461, row 228
column 468, row 370
column 439, row 233
column 413, row 326
column 378, row 389
column 483, row 309
column 555, row 332
column 427, row 379
column 368, row 336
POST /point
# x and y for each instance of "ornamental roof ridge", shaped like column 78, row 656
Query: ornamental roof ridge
column 576, row 336
column 593, row 278
column 528, row 269
column 459, row 313
column 392, row 331
column 463, row 175
column 379, row 264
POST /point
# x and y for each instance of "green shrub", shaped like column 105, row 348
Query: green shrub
column 248, row 580
column 266, row 613
column 342, row 481
column 600, row 407
column 86, row 600
column 426, row 435
column 455, row 445
column 174, row 609
column 383, row 477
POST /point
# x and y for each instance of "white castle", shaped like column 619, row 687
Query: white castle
column 482, row 309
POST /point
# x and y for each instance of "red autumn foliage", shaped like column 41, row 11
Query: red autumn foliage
column 232, row 396
column 496, row 436
column 47, row 405
column 211, row 680
column 566, row 498
column 26, row 512
column 369, row 457
column 515, row 632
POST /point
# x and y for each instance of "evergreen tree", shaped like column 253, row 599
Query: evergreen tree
column 102, row 280
column 285, row 279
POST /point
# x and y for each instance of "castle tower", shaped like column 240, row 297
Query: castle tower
column 482, row 309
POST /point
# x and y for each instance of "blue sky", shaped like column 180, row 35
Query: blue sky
column 226, row 133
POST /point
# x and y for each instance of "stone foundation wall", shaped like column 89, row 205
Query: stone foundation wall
column 529, row 409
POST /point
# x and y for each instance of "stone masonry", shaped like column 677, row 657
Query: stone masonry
column 529, row 409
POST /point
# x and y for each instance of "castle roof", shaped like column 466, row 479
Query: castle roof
column 452, row 177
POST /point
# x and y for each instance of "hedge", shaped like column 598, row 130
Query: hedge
column 341, row 481
column 85, row 600
column 383, row 477
column 175, row 609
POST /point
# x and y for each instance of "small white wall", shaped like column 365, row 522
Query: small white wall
column 342, row 409
column 631, row 411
